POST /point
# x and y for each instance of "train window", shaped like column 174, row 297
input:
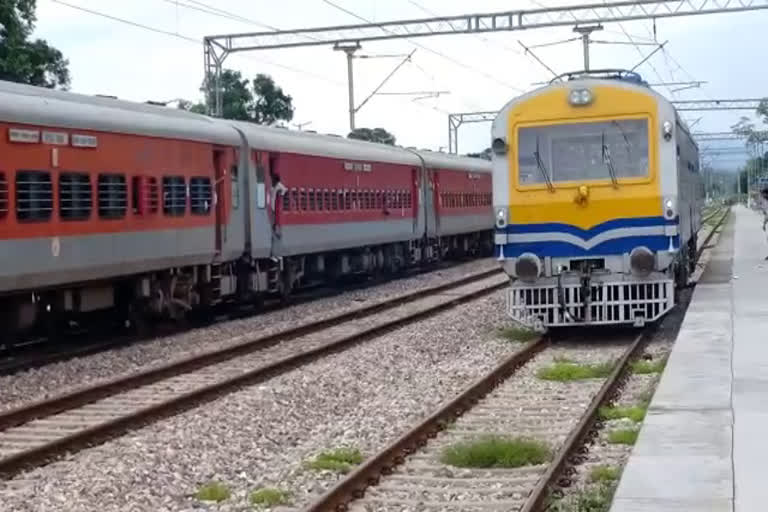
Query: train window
column 34, row 195
column 235, row 189
column 3, row 196
column 112, row 195
column 342, row 204
column 303, row 200
column 200, row 195
column 326, row 200
column 311, row 199
column 347, row 200
column 174, row 196
column 353, row 199
column 334, row 201
column 75, row 196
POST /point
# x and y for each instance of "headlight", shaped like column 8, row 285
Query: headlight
column 641, row 261
column 501, row 218
column 580, row 97
column 528, row 267
column 670, row 208
column 667, row 129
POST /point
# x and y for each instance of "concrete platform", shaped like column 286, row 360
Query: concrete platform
column 704, row 443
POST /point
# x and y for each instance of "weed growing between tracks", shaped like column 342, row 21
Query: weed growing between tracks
column 596, row 498
column 635, row 413
column 496, row 452
column 604, row 473
column 565, row 370
column 269, row 497
column 340, row 460
column 518, row 334
column 213, row 491
column 643, row 366
column 623, row 436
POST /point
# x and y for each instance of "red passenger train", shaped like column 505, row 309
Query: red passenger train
column 145, row 210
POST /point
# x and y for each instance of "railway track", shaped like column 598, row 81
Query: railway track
column 410, row 474
column 36, row 433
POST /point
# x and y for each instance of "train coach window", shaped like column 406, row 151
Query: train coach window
column 34, row 195
column 113, row 196
column 200, row 195
column 3, row 196
column 312, row 202
column 75, row 196
column 174, row 195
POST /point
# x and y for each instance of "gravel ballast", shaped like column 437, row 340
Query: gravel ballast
column 56, row 378
column 262, row 436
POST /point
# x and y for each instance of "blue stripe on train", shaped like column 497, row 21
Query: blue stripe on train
column 557, row 249
column 586, row 234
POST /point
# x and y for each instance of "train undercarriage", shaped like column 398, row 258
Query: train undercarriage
column 194, row 292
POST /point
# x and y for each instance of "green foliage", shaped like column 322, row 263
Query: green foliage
column 636, row 414
column 496, row 452
column 604, row 473
column 644, row 367
column 484, row 154
column 213, row 491
column 518, row 334
column 623, row 436
column 379, row 135
column 567, row 371
column 260, row 101
column 594, row 499
column 269, row 497
column 340, row 460
column 22, row 59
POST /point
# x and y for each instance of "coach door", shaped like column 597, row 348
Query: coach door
column 219, row 166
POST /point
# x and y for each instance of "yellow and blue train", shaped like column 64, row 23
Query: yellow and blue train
column 597, row 199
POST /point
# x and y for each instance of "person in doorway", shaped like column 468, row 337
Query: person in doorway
column 764, row 208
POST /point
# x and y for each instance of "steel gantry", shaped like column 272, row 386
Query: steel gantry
column 457, row 119
column 218, row 47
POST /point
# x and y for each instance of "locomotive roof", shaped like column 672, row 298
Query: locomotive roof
column 48, row 107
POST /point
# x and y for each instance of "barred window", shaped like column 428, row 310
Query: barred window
column 326, row 200
column 303, row 200
column 286, row 200
column 174, row 196
column 334, row 201
column 3, row 196
column 34, row 195
column 113, row 196
column 75, row 196
column 200, row 195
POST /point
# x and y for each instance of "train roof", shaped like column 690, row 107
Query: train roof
column 26, row 104
column 48, row 107
column 334, row 146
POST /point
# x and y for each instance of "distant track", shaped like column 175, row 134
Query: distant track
column 33, row 434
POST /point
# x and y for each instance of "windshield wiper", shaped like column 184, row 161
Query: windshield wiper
column 627, row 145
column 541, row 167
column 609, row 162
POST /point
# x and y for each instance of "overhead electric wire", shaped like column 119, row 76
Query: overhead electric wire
column 419, row 45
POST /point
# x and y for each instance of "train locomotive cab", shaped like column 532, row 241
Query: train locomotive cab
column 596, row 199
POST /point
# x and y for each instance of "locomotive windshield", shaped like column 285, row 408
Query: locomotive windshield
column 603, row 150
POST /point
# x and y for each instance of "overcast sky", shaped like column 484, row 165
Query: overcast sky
column 481, row 72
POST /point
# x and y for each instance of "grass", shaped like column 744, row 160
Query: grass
column 213, row 491
column 604, row 473
column 518, row 334
column 644, row 367
column 646, row 396
column 269, row 497
column 496, row 452
column 567, row 371
column 340, row 460
column 595, row 499
column 623, row 436
column 636, row 413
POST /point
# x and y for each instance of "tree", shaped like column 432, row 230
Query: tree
column 379, row 135
column 260, row 101
column 27, row 61
column 270, row 103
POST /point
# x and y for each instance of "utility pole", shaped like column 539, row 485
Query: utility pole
column 350, row 50
column 585, row 32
